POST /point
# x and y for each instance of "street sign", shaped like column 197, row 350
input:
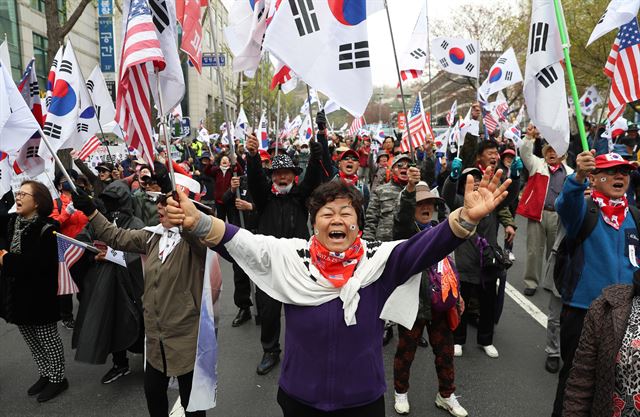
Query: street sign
column 185, row 126
column 107, row 52
column 209, row 59
column 105, row 8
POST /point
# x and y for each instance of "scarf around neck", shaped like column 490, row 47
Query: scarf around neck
column 397, row 180
column 169, row 239
column 613, row 211
column 338, row 268
column 281, row 190
column 348, row 179
column 19, row 227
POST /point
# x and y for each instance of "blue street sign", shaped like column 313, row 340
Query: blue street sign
column 105, row 7
column 210, row 60
column 185, row 125
column 107, row 49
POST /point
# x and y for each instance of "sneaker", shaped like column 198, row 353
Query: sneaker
column 52, row 390
column 491, row 351
column 402, row 403
column 451, row 404
column 512, row 257
column 457, row 350
column 115, row 373
column 69, row 324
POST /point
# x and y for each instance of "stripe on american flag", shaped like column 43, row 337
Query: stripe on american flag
column 68, row 254
column 89, row 148
column 625, row 77
column 356, row 125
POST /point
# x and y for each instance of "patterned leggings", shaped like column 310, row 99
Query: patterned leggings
column 46, row 348
column 441, row 340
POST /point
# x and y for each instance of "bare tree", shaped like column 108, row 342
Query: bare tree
column 56, row 30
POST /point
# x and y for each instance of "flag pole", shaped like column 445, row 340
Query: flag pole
column 278, row 121
column 313, row 129
column 232, row 145
column 163, row 125
column 404, row 105
column 429, row 62
column 572, row 82
column 55, row 157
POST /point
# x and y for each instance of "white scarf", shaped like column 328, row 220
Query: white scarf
column 282, row 269
column 169, row 239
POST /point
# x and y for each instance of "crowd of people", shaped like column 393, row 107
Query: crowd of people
column 354, row 239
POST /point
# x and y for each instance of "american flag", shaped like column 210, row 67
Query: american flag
column 490, row 122
column 493, row 118
column 89, row 147
column 622, row 67
column 410, row 74
column 133, row 108
column 357, row 123
column 68, row 254
column 419, row 126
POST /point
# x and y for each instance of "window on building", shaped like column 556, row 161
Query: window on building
column 62, row 8
column 9, row 26
column 40, row 45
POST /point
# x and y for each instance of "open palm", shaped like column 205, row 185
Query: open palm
column 487, row 197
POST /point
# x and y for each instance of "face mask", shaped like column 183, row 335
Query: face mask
column 283, row 190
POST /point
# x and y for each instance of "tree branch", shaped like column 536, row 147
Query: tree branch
column 66, row 28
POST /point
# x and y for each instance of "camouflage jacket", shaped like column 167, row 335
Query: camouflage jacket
column 382, row 207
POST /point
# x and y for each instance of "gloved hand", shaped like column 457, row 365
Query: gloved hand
column 315, row 151
column 70, row 209
column 83, row 202
column 321, row 120
column 456, row 169
column 516, row 167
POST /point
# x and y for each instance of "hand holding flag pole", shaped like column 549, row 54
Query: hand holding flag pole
column 404, row 105
column 313, row 129
column 562, row 28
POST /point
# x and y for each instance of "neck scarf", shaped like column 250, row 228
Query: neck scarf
column 338, row 268
column 613, row 211
column 19, row 227
column 348, row 179
column 169, row 239
column 278, row 190
column 397, row 180
column 554, row 168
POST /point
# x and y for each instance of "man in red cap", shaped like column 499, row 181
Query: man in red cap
column 606, row 254
column 348, row 165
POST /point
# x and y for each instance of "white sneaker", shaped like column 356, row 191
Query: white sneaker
column 451, row 404
column 402, row 403
column 457, row 350
column 512, row 257
column 491, row 351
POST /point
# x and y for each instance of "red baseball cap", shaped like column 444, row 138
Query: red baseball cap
column 609, row 160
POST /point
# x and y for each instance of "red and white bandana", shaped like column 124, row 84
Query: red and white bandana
column 338, row 268
column 613, row 211
column 348, row 179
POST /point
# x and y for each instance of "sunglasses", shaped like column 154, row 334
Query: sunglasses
column 350, row 158
column 615, row 170
column 402, row 165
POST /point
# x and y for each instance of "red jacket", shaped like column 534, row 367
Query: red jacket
column 222, row 180
column 70, row 224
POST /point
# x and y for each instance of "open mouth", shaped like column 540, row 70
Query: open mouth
column 618, row 185
column 349, row 167
column 337, row 235
column 426, row 214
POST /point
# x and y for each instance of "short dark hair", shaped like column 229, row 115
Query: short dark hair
column 487, row 144
column 41, row 196
column 331, row 191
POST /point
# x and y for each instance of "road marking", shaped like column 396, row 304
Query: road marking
column 526, row 305
column 177, row 410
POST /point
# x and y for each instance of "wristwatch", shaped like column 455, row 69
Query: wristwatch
column 469, row 227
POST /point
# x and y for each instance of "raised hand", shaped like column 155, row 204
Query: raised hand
column 478, row 203
column 182, row 212
column 252, row 145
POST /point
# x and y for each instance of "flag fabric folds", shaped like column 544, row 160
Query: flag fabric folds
column 414, row 59
column 140, row 46
column 457, row 56
column 504, row 73
column 451, row 116
column 51, row 77
column 5, row 58
column 420, row 127
column 68, row 254
column 192, row 32
column 245, row 33
column 242, row 125
column 590, row 100
column 305, row 132
column 263, row 134
column 625, row 77
column 283, row 76
column 618, row 13
column 330, row 106
column 356, row 124
column 544, row 85
column 28, row 161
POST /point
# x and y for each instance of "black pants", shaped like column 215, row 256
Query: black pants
column 269, row 311
column 293, row 408
column 120, row 358
column 65, row 303
column 571, row 321
column 487, row 295
column 242, row 288
column 155, row 390
column 221, row 211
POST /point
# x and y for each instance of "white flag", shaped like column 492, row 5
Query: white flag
column 619, row 12
column 62, row 117
column 504, row 73
column 417, row 52
column 305, row 133
column 520, row 117
column 247, row 26
column 314, row 99
column 5, row 58
column 469, row 125
column 544, row 89
column 242, row 124
column 451, row 116
column 294, row 126
column 590, row 100
column 327, row 49
column 331, row 106
column 171, row 78
column 101, row 97
column 457, row 56
column 17, row 123
column 116, row 256
column 27, row 160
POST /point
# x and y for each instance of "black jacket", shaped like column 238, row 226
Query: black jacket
column 282, row 215
column 29, row 281
column 229, row 199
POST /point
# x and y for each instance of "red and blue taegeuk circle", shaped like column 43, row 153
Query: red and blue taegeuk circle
column 88, row 113
column 456, row 55
column 495, row 75
column 63, row 98
column 587, row 102
column 349, row 12
column 252, row 3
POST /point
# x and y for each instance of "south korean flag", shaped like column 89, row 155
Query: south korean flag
column 457, row 56
column 544, row 85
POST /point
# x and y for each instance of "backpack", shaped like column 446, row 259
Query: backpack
column 566, row 258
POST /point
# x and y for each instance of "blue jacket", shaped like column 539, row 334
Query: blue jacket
column 605, row 252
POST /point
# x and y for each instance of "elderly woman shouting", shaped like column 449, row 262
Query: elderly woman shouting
column 335, row 288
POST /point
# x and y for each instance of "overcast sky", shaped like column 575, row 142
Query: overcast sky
column 403, row 17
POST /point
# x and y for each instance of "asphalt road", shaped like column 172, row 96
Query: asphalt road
column 515, row 384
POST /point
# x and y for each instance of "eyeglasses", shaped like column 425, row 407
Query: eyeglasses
column 615, row 170
column 402, row 165
column 21, row 194
column 350, row 158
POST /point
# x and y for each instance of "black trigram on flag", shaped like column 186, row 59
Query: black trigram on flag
column 160, row 14
column 539, row 36
column 52, row 130
column 66, row 66
column 354, row 55
column 547, row 77
column 32, row 151
column 501, row 60
column 469, row 67
column 471, row 49
column 98, row 109
column 603, row 16
column 418, row 53
column 83, row 127
column 304, row 15
column 508, row 75
column 444, row 44
column 444, row 62
column 90, row 85
column 33, row 89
